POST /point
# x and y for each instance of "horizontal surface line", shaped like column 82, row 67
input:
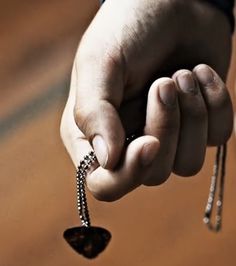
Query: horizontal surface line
column 31, row 109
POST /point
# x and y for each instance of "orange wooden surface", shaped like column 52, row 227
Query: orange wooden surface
column 151, row 226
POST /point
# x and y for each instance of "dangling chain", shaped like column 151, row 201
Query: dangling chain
column 219, row 168
column 81, row 173
column 82, row 170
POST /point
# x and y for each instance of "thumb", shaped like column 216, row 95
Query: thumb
column 99, row 91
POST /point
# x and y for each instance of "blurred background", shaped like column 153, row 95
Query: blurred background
column 152, row 226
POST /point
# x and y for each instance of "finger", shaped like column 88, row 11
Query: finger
column 193, row 132
column 99, row 92
column 162, row 122
column 72, row 137
column 105, row 184
column 110, row 185
column 218, row 102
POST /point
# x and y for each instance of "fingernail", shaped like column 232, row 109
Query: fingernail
column 186, row 83
column 167, row 93
column 148, row 154
column 205, row 75
column 100, row 149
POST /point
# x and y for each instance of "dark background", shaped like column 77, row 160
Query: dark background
column 151, row 226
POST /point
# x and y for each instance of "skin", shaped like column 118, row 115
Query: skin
column 139, row 66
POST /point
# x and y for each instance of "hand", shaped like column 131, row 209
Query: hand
column 109, row 85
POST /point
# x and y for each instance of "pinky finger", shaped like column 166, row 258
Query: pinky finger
column 218, row 102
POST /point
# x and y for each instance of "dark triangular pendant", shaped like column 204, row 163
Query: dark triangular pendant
column 87, row 241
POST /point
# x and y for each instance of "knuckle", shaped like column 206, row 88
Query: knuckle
column 108, row 57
